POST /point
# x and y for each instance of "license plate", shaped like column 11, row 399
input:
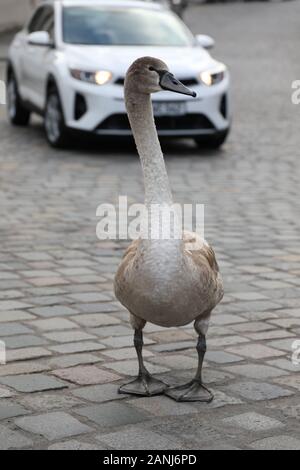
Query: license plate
column 169, row 108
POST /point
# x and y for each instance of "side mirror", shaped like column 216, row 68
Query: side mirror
column 40, row 38
column 207, row 42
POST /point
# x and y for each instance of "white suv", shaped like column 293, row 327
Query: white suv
column 68, row 64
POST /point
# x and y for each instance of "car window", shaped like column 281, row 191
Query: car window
column 41, row 19
column 48, row 25
column 119, row 26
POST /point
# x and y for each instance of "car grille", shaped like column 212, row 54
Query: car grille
column 185, row 81
column 163, row 123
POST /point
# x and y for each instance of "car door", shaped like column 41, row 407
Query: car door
column 36, row 58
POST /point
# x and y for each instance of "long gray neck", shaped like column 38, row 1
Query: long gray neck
column 140, row 114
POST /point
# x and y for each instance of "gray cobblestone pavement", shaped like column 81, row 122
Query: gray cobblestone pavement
column 68, row 341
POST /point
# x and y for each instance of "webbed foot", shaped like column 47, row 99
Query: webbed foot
column 144, row 385
column 192, row 391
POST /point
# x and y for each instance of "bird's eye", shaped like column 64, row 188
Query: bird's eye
column 151, row 68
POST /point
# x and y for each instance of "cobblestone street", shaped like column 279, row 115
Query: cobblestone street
column 69, row 343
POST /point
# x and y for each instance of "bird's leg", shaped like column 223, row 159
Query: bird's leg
column 194, row 390
column 144, row 384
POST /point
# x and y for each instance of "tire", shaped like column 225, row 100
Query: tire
column 214, row 141
column 54, row 122
column 18, row 115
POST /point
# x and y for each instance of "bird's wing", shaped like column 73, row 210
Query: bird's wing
column 200, row 251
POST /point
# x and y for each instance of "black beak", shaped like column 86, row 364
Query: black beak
column 169, row 82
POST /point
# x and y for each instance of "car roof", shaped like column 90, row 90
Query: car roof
column 125, row 3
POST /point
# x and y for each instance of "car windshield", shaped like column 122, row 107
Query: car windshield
column 94, row 25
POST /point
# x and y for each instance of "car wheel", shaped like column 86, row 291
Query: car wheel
column 212, row 141
column 18, row 115
column 56, row 131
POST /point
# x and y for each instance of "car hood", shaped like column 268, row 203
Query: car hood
column 182, row 61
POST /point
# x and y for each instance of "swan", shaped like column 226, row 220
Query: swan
column 163, row 281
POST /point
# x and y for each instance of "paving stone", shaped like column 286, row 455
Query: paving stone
column 115, row 330
column 193, row 432
column 255, row 351
column 284, row 344
column 12, row 305
column 271, row 284
column 86, row 375
column 162, row 406
column 257, row 391
column 8, row 409
column 248, row 295
column 220, row 400
column 69, row 336
column 15, row 315
column 277, row 443
column 52, row 324
column 5, row 393
column 23, row 354
column 71, row 360
column 12, row 439
column 32, row 382
column 226, row 319
column 82, row 346
column 125, row 353
column 226, row 341
column 99, row 393
column 170, row 336
column 171, row 347
column 48, row 281
column 76, row 445
column 273, row 334
column 256, row 371
column 285, row 364
column 48, row 301
column 123, row 341
column 176, row 361
column 112, row 414
column 89, row 297
column 23, row 341
column 253, row 422
column 254, row 326
column 52, row 426
column 12, row 329
column 292, row 381
column 131, row 367
column 35, row 256
column 93, row 320
column 286, row 322
column 22, row 368
column 138, row 439
column 53, row 311
column 222, row 357
column 48, row 401
column 103, row 307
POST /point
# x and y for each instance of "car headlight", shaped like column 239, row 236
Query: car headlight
column 213, row 76
column 101, row 77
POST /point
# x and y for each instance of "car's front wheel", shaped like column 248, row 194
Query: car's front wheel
column 56, row 131
column 212, row 141
column 17, row 113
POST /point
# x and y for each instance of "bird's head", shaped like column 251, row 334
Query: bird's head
column 148, row 75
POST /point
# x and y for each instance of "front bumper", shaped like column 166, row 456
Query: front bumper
column 101, row 110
